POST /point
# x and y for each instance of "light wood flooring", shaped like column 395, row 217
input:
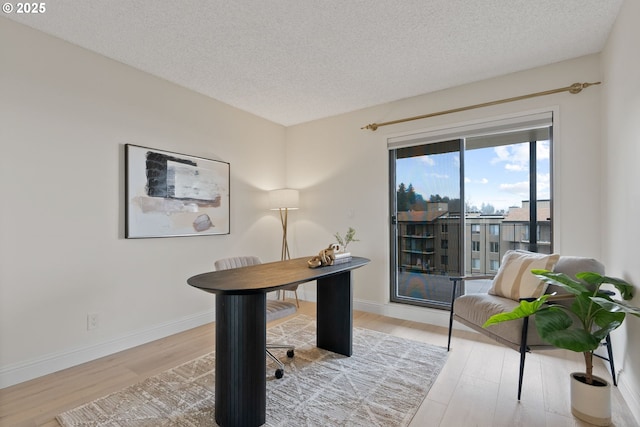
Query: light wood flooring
column 477, row 386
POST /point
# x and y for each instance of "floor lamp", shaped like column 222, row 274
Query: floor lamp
column 284, row 200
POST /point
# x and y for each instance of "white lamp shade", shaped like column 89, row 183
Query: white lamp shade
column 284, row 198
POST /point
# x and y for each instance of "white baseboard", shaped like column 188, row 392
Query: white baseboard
column 398, row 311
column 630, row 396
column 54, row 362
column 405, row 312
column 28, row 370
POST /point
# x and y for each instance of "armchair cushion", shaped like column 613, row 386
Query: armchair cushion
column 514, row 279
column 473, row 310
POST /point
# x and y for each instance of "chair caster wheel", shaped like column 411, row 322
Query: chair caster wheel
column 279, row 373
column 290, row 353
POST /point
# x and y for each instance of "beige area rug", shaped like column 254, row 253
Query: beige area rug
column 382, row 384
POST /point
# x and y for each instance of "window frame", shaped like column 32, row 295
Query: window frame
column 528, row 122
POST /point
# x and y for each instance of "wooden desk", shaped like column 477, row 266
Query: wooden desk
column 241, row 335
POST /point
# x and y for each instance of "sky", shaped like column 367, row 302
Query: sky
column 496, row 175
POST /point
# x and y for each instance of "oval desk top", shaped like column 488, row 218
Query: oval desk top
column 268, row 276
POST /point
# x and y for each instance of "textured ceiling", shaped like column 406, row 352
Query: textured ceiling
column 292, row 61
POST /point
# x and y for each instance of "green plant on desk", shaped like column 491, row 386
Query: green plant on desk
column 348, row 238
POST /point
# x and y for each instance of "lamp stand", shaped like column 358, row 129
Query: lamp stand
column 285, row 245
column 284, row 255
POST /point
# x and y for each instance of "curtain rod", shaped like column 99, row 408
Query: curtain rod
column 574, row 88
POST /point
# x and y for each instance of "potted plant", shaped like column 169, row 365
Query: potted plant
column 348, row 238
column 579, row 325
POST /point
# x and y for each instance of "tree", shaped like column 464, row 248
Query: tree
column 411, row 194
column 436, row 198
column 402, row 199
column 487, row 209
column 420, row 204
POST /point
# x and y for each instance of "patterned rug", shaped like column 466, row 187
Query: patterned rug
column 382, row 384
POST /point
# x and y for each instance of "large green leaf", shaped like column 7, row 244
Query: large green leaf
column 525, row 309
column 603, row 317
column 595, row 279
column 606, row 320
column 614, row 306
column 555, row 326
column 583, row 325
column 583, row 307
column 560, row 279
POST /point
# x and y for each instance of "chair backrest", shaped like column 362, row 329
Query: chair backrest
column 275, row 309
column 237, row 261
column 572, row 265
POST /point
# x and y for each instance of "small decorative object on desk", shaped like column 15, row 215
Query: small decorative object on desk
column 348, row 238
column 336, row 253
column 324, row 257
column 342, row 257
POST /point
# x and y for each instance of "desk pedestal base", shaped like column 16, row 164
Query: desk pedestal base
column 334, row 312
column 241, row 377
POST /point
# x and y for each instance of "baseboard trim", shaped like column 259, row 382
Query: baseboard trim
column 630, row 396
column 405, row 312
column 399, row 311
column 54, row 362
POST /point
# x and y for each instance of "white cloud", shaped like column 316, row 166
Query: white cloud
column 440, row 176
column 513, row 167
column 515, row 157
column 542, row 150
column 468, row 180
column 428, row 160
column 520, row 189
column 544, row 186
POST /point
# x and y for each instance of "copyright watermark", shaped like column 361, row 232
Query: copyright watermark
column 26, row 8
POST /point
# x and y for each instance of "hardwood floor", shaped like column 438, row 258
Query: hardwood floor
column 477, row 386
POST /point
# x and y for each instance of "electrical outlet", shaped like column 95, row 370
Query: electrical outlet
column 93, row 321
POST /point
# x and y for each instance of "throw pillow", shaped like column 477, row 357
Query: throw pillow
column 514, row 279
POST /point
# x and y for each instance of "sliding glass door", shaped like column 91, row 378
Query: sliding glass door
column 427, row 220
column 458, row 205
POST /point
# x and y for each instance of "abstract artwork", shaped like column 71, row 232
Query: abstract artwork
column 170, row 194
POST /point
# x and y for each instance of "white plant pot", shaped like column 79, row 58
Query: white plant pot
column 591, row 403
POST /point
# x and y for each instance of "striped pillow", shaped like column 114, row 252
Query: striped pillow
column 514, row 279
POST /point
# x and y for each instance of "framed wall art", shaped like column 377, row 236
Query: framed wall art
column 170, row 194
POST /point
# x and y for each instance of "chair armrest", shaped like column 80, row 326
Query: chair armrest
column 551, row 298
column 560, row 297
column 464, row 278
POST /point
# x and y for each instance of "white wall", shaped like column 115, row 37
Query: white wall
column 342, row 171
column 66, row 114
column 621, row 193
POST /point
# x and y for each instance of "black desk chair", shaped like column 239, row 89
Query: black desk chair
column 276, row 309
